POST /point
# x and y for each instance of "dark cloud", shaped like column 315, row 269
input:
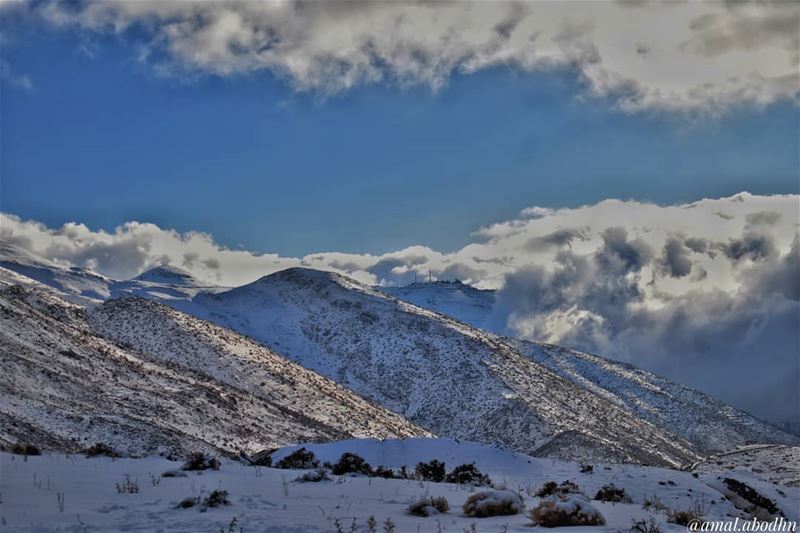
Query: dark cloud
column 753, row 246
column 763, row 218
column 711, row 339
column 556, row 239
column 698, row 245
column 620, row 255
column 674, row 258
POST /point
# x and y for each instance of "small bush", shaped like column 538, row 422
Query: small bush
column 565, row 510
column 645, row 526
column 173, row 473
column 25, row 449
column 299, row 459
column 587, row 469
column 200, row 461
column 351, row 463
column 188, row 502
column 314, row 476
column 493, row 503
column 127, row 486
column 217, row 498
column 468, row 474
column 431, row 471
column 101, row 449
column 683, row 517
column 386, row 473
column 610, row 493
column 550, row 488
column 428, row 506
column 695, row 512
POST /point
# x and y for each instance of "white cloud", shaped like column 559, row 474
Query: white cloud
column 684, row 56
column 707, row 293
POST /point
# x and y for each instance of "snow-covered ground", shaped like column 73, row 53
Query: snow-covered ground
column 269, row 500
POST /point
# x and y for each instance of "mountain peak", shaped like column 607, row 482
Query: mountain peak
column 167, row 274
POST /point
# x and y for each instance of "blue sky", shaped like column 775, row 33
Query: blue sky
column 104, row 139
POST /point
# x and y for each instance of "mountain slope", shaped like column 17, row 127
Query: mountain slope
column 188, row 386
column 456, row 380
column 709, row 424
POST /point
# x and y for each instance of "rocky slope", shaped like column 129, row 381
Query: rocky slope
column 145, row 378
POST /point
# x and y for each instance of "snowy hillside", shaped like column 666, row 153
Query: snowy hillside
column 56, row 493
column 143, row 378
column 443, row 374
column 774, row 463
column 709, row 424
column 83, row 286
column 453, row 379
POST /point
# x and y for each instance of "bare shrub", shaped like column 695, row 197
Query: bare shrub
column 612, row 493
column 493, row 503
column 468, row 474
column 100, row 449
column 25, row 449
column 299, row 459
column 217, row 498
column 550, row 488
column 565, row 510
column 188, row 502
column 683, row 517
column 351, row 463
column 428, row 506
column 200, row 461
column 431, row 471
column 127, row 486
column 645, row 526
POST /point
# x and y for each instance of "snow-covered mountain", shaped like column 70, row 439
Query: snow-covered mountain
column 146, row 378
column 465, row 383
column 450, row 377
column 82, row 286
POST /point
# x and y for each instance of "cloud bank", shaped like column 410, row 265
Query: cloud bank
column 642, row 55
column 707, row 293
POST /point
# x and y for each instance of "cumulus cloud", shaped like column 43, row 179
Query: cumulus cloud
column 651, row 55
column 708, row 300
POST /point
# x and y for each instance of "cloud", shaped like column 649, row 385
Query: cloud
column 706, row 300
column 18, row 81
column 685, row 56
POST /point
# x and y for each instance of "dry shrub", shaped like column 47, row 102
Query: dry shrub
column 612, row 493
column 200, row 461
column 493, row 503
column 351, row 463
column 550, row 488
column 299, row 459
column 428, row 506
column 565, row 510
column 431, row 471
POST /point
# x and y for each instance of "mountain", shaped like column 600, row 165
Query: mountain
column 78, row 284
column 82, row 286
column 146, row 378
column 440, row 373
column 457, row 380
